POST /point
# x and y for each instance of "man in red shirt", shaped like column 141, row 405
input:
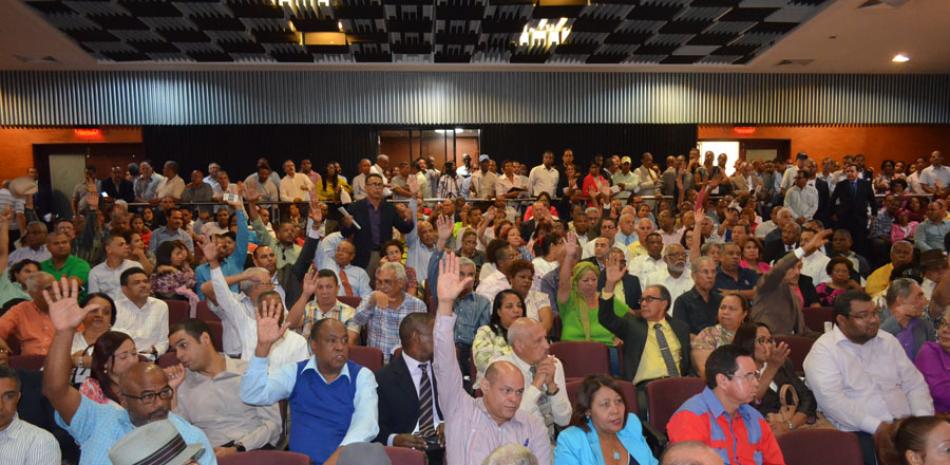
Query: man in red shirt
column 721, row 416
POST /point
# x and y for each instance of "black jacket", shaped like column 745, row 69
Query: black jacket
column 398, row 400
column 363, row 237
column 632, row 330
column 852, row 209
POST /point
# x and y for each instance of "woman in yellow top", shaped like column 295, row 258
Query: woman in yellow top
column 491, row 340
column 331, row 185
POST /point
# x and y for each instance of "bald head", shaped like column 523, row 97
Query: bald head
column 144, row 380
column 690, row 453
column 502, row 389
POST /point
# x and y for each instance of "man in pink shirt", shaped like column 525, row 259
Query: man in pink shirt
column 476, row 427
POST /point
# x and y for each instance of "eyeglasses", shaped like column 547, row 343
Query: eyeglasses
column 149, row 397
column 751, row 376
column 764, row 340
column 650, row 298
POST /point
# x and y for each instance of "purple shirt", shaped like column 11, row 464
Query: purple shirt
column 470, row 433
column 934, row 363
column 375, row 218
column 906, row 337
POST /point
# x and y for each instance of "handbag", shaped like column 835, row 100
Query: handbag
column 788, row 397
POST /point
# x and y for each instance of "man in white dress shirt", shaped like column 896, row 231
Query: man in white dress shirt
column 646, row 263
column 140, row 315
column 359, row 181
column 861, row 377
column 294, row 186
column 544, row 177
column 802, row 198
column 673, row 276
column 172, row 185
column 104, row 277
column 239, row 312
column 20, row 442
column 935, row 177
column 814, row 264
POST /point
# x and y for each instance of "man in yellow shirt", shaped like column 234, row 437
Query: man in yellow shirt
column 902, row 253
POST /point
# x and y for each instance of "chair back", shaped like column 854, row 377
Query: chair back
column 168, row 359
column 799, row 346
column 270, row 457
column 369, row 357
column 811, row 446
column 665, row 396
column 27, row 362
column 406, row 456
column 178, row 311
column 351, row 301
column 203, row 312
column 581, row 358
column 815, row 317
column 626, row 387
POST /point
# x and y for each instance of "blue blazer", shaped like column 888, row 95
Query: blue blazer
column 577, row 447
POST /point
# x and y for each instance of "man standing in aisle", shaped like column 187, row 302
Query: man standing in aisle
column 625, row 180
column 544, row 177
column 370, row 223
column 852, row 199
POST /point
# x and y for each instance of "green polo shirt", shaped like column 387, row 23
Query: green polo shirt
column 73, row 267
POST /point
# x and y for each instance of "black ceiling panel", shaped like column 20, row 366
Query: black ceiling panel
column 446, row 31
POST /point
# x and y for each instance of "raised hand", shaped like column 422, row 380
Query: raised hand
column 316, row 213
column 208, row 248
column 615, row 271
column 778, row 354
column 310, row 282
column 251, row 194
column 64, row 309
column 6, row 216
column 571, row 247
column 699, row 215
column 269, row 329
column 450, row 283
column 445, row 226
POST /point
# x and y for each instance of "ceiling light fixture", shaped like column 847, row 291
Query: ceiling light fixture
column 544, row 34
column 900, row 58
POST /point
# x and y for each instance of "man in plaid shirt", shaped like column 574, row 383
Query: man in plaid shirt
column 384, row 309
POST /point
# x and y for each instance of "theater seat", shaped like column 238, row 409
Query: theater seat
column 814, row 446
column 27, row 362
column 178, row 311
column 369, row 357
column 581, row 358
column 217, row 330
column 270, row 457
column 629, row 393
column 204, row 313
column 815, row 317
column 351, row 301
column 168, row 359
column 665, row 396
column 406, row 456
column 800, row 346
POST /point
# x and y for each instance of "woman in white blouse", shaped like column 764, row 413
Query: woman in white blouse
column 537, row 305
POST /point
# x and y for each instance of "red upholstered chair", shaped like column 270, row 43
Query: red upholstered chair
column 27, row 362
column 815, row 317
column 178, row 311
column 168, row 359
column 813, row 446
column 270, row 457
column 217, row 331
column 629, row 393
column 800, row 346
column 664, row 396
column 581, row 358
column 406, row 456
column 369, row 357
column 204, row 313
column 351, row 301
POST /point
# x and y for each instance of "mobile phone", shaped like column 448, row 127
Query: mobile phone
column 104, row 194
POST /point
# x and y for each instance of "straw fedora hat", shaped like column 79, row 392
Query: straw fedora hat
column 157, row 443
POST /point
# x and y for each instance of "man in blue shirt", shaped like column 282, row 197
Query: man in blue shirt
column 144, row 390
column 332, row 400
column 232, row 246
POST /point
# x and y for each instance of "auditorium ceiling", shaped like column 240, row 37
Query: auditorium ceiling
column 650, row 35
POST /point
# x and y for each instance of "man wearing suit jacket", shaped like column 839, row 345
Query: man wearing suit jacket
column 851, row 199
column 654, row 346
column 376, row 219
column 790, row 234
column 824, row 194
column 404, row 421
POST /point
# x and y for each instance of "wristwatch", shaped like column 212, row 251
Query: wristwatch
column 553, row 393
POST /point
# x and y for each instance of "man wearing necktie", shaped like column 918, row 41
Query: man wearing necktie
column 851, row 202
column 655, row 347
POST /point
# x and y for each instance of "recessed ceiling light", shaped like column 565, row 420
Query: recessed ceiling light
column 900, row 58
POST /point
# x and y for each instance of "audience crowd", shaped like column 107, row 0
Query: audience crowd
column 485, row 313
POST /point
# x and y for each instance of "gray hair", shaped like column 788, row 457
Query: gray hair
column 899, row 288
column 511, row 454
column 696, row 265
column 248, row 284
column 519, row 328
column 38, row 224
column 668, row 249
column 35, row 281
column 704, row 250
column 591, row 210
column 397, row 269
column 901, row 243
